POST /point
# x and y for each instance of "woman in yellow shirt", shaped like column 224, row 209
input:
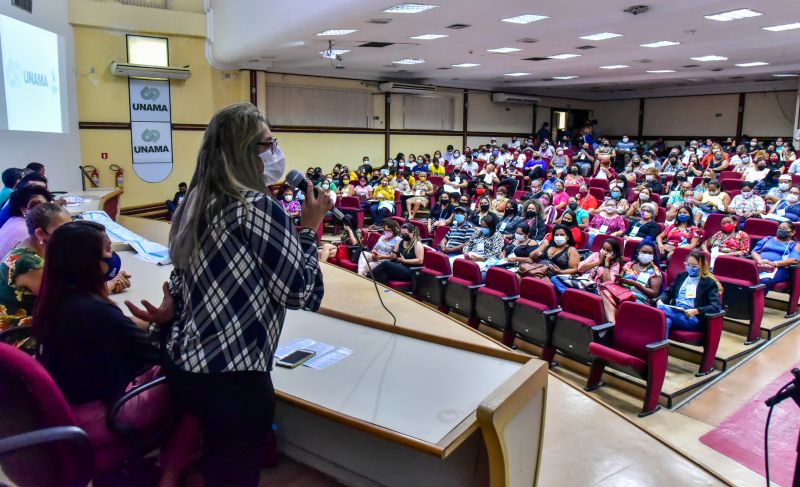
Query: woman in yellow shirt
column 382, row 203
column 423, row 190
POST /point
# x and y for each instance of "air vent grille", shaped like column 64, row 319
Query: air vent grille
column 379, row 21
column 444, row 67
column 585, row 48
column 162, row 4
column 376, row 44
column 458, row 26
column 691, row 66
column 535, row 59
column 528, row 40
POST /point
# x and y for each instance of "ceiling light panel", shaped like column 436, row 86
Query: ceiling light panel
column 786, row 75
column 601, row 36
column 465, row 65
column 525, row 19
column 661, row 71
column 615, row 66
column 516, row 75
column 564, row 56
column 709, row 58
column 742, row 13
column 334, row 32
column 753, row 64
column 781, row 28
column 409, row 61
column 409, row 8
column 429, row 37
column 503, row 50
column 660, row 44
column 565, row 77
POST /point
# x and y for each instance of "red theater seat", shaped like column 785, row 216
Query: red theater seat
column 708, row 338
column 744, row 294
column 495, row 300
column 534, row 314
column 578, row 324
column 677, row 264
column 462, row 288
column 636, row 346
column 438, row 235
column 432, row 279
column 759, row 228
column 351, row 205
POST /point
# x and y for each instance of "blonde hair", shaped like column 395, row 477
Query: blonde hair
column 705, row 269
column 227, row 164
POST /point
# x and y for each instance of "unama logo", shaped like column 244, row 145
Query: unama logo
column 151, row 137
column 150, row 95
column 14, row 73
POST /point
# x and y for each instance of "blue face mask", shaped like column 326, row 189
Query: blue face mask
column 692, row 270
column 459, row 219
column 683, row 218
column 485, row 231
column 114, row 264
column 615, row 194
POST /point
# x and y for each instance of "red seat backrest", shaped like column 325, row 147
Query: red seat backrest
column 572, row 190
column 661, row 217
column 519, row 195
column 712, row 225
column 540, row 291
column 630, row 248
column 598, row 183
column 598, row 193
column 422, row 227
column 437, row 261
column 350, row 203
column 372, row 239
column 734, row 193
column 436, row 181
column 638, row 325
column 399, row 219
column 585, row 304
column 502, row 280
column 760, row 226
column 439, row 234
column 736, row 268
column 729, row 175
column 731, row 184
column 467, row 270
column 598, row 242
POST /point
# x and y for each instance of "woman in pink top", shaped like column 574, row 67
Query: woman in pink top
column 560, row 197
column 363, row 190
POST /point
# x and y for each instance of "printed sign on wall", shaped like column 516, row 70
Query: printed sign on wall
column 151, row 129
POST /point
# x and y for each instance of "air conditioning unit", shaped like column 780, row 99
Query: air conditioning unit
column 148, row 71
column 511, row 98
column 406, row 88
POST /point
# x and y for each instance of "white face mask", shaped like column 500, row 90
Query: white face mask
column 326, row 187
column 747, row 194
column 791, row 198
column 518, row 237
column 785, row 186
column 645, row 258
column 274, row 165
column 560, row 240
column 287, row 197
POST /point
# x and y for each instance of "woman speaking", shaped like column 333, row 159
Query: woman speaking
column 238, row 265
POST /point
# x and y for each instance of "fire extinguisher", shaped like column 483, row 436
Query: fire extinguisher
column 119, row 174
column 95, row 177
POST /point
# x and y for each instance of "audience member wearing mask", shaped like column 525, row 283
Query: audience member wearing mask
column 20, row 203
column 363, row 191
column 788, row 208
column 645, row 226
column 641, row 276
column 383, row 204
column 460, row 232
column 601, row 266
column 533, row 216
column 781, row 191
column 606, row 222
column 770, row 181
column 693, row 295
column 521, row 246
column 644, row 197
column 586, row 200
column 382, row 249
column 557, row 255
column 408, row 252
column 729, row 240
column 423, row 190
column 584, row 159
column 510, row 219
column 482, row 208
column 290, row 204
column 486, row 243
column 747, row 204
column 682, row 234
column 775, row 254
column 441, row 213
column 574, row 177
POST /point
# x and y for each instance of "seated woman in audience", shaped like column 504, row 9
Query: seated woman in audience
column 557, row 255
column 521, row 246
column 716, row 159
column 787, row 208
column 482, row 209
column 606, row 222
column 695, row 169
column 586, row 200
column 486, row 243
column 629, row 173
column 329, row 187
column 676, row 189
column 755, row 170
column 644, row 226
column 641, row 276
column 747, row 204
column 574, row 177
column 582, row 217
column 560, row 196
column 408, row 252
column 688, row 200
column 21, row 268
column 509, row 221
column 599, row 267
column 363, row 191
column 460, row 232
column 569, row 220
column 549, row 211
column 535, row 167
column 382, row 249
column 774, row 162
column 346, row 189
column 560, row 162
column 644, row 197
column 729, row 240
column 500, row 201
column 423, row 190
column 763, row 187
column 604, row 169
column 774, row 254
column 400, row 183
column 714, row 200
column 20, row 203
column 489, row 175
column 672, row 165
column 652, row 180
column 693, row 295
column 91, row 349
column 702, row 183
column 329, row 250
column 382, row 204
column 534, row 217
column 682, row 234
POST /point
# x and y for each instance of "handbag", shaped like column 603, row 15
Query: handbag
column 616, row 292
column 532, row 269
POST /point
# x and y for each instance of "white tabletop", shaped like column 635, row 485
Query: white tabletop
column 414, row 387
column 93, row 197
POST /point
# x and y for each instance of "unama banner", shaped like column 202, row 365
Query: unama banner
column 151, row 129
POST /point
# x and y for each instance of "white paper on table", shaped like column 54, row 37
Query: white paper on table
column 324, row 361
column 293, row 346
column 320, row 348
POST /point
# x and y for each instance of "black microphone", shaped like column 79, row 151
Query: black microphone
column 786, row 393
column 296, row 180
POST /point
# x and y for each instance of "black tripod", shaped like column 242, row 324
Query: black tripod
column 792, row 389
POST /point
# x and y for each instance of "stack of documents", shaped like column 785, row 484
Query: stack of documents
column 326, row 355
column 146, row 250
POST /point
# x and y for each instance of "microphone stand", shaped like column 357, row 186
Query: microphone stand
column 790, row 390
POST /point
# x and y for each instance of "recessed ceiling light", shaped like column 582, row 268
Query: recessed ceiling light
column 429, row 37
column 564, row 77
column 563, row 56
column 334, row 32
column 601, row 36
column 709, row 58
column 332, row 53
column 660, row 44
column 738, row 14
column 614, row 66
column 465, row 65
column 409, row 61
column 781, row 28
column 503, row 50
column 409, row 8
column 660, row 71
column 517, row 74
column 786, row 75
column 525, row 19
column 750, row 65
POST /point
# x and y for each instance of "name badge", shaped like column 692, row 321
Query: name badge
column 503, row 226
column 643, row 278
column 487, row 179
column 714, row 254
column 691, row 291
column 781, row 212
column 635, row 230
column 603, row 229
column 479, row 248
